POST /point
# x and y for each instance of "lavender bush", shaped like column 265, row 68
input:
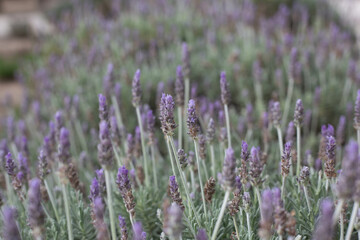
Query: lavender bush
column 228, row 133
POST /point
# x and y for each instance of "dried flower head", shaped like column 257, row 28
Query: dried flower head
column 209, row 189
column 330, row 160
column 105, row 150
column 150, row 120
column 192, row 120
column 255, row 167
column 174, row 192
column 10, row 165
column 275, row 114
column 182, row 157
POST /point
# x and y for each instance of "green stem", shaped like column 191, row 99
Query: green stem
column 110, row 204
column 187, row 97
column 221, row 215
column 212, row 154
column 169, row 140
column 283, row 188
column 341, row 227
column 199, row 175
column 298, row 143
column 278, row 129
column 154, row 165
column 248, row 225
column 236, row 229
column 143, row 146
column 205, row 169
column 52, row 201
column 352, row 221
column 288, row 101
column 307, row 198
column 227, row 124
column 258, row 196
column 180, row 133
column 67, row 212
column 81, row 135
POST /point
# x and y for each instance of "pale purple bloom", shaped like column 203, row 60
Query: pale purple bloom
column 123, row 181
column 324, row 229
column 136, row 89
column 103, row 108
column 192, row 120
column 179, row 87
column 35, row 209
column 299, row 113
column 357, row 111
column 224, row 86
column 150, row 120
column 105, row 150
column 138, row 231
column 173, row 224
column 166, row 117
column 123, row 228
column 255, row 167
column 201, row 235
column 275, row 114
column 94, row 190
column 10, row 165
column 10, row 228
column 229, row 170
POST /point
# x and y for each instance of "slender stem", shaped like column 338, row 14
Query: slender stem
column 110, row 204
column 212, row 155
column 187, row 97
column 319, row 183
column 227, row 124
column 278, row 129
column 283, row 188
column 169, row 140
column 154, row 164
column 338, row 211
column 52, row 201
column 180, row 133
column 288, row 100
column 221, row 215
column 298, row 143
column 192, row 176
column 205, row 169
column 143, row 146
column 326, row 184
column 248, row 225
column 259, row 99
column 81, row 135
column 358, row 137
column 352, row 221
column 258, row 196
column 199, row 175
column 358, row 235
column 67, row 212
column 236, row 229
column 341, row 227
column 307, row 198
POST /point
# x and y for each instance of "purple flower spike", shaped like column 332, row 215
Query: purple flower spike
column 299, row 113
column 103, row 108
column 357, row 111
column 244, row 151
column 290, row 132
column 136, row 89
column 167, row 105
column 286, row 160
column 340, row 131
column 324, row 229
column 179, row 87
column 201, row 235
column 64, row 146
column 349, row 173
column 10, row 228
column 225, row 93
column 35, row 209
column 255, row 167
column 59, row 123
column 185, row 60
column 331, row 157
column 3, row 151
column 10, row 165
column 123, row 228
column 192, row 121
column 275, row 114
column 150, row 120
column 108, row 80
column 173, row 225
column 123, row 181
column 105, row 150
column 210, row 133
column 139, row 233
column 10, row 124
column 267, row 210
column 94, row 190
column 229, row 170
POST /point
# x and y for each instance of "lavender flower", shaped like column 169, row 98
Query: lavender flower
column 331, row 155
column 267, row 210
column 103, row 108
column 136, row 89
column 225, row 93
column 349, row 173
column 100, row 226
column 64, row 146
column 100, row 176
column 105, row 150
column 202, row 146
column 192, row 120
column 275, row 114
column 255, row 167
column 108, row 80
column 210, row 134
column 179, row 87
column 340, row 131
column 201, row 235
column 357, row 111
column 3, row 151
column 123, row 228
column 23, row 165
column 150, row 120
column 304, row 175
column 174, row 192
column 10, row 228
column 229, row 170
column 299, row 113
column 168, row 124
column 182, row 156
column 324, row 229
column 185, row 60
column 173, row 225
column 10, row 124
column 43, row 169
column 123, row 181
column 244, row 151
column 286, row 160
column 35, row 209
column 59, row 124
column 290, row 133
column 94, row 190
column 10, row 165
column 138, row 231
